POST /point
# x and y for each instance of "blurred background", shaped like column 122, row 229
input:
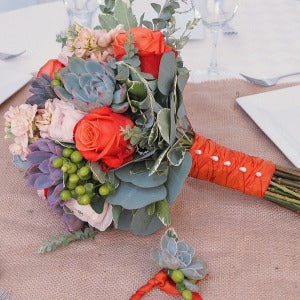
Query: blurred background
column 7, row 5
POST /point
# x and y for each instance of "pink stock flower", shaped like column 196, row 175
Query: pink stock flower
column 20, row 127
column 93, row 44
column 58, row 119
column 87, row 214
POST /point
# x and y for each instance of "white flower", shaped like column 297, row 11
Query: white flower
column 86, row 214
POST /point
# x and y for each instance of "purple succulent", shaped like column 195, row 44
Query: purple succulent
column 42, row 175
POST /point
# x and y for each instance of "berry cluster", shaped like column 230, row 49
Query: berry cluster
column 80, row 182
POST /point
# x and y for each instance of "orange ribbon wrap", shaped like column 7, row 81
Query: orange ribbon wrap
column 236, row 170
column 161, row 280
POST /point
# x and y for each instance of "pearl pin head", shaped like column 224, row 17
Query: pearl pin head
column 258, row 174
column 243, row 169
column 227, row 163
column 198, row 152
column 214, row 158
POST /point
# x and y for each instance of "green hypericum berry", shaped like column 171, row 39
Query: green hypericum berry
column 56, row 82
column 76, row 157
column 72, row 168
column 95, row 177
column 57, row 76
column 104, row 190
column 64, row 168
column 74, row 178
column 84, row 171
column 71, row 185
column 84, row 199
column 58, row 163
column 80, row 190
column 67, row 152
column 187, row 295
column 177, row 276
column 194, row 281
column 65, row 195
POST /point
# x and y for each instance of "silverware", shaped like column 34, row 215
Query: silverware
column 228, row 30
column 268, row 81
column 6, row 56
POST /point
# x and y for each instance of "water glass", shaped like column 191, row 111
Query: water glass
column 215, row 14
column 81, row 11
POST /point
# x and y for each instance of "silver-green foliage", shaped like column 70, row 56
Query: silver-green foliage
column 178, row 255
column 65, row 240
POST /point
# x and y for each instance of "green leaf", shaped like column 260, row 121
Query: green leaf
column 163, row 212
column 142, row 179
column 167, row 70
column 177, row 176
column 176, row 154
column 153, row 136
column 137, row 90
column 108, row 22
column 98, row 205
column 158, row 161
column 116, row 212
column 124, row 15
column 98, row 172
column 130, row 196
column 141, row 223
column 163, row 122
column 123, row 73
column 156, row 7
column 151, row 209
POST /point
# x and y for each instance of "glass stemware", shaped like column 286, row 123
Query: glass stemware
column 81, row 11
column 215, row 14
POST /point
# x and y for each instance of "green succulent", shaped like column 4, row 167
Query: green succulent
column 89, row 84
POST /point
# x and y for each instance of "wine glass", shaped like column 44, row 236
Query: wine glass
column 81, row 11
column 215, row 14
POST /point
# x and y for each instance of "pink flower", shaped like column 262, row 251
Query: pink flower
column 94, row 44
column 87, row 214
column 20, row 127
column 58, row 119
column 43, row 118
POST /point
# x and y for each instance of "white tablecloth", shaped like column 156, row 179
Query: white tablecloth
column 267, row 42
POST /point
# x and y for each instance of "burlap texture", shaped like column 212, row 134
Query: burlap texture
column 251, row 246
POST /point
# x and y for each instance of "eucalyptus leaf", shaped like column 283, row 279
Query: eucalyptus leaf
column 163, row 212
column 159, row 161
column 142, row 179
column 124, row 15
column 116, row 212
column 130, row 196
column 98, row 172
column 177, row 176
column 167, row 71
column 108, row 22
column 163, row 121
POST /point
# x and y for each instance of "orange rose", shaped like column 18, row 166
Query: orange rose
column 97, row 137
column 151, row 46
column 50, row 68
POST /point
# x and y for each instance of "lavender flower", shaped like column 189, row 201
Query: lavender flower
column 42, row 175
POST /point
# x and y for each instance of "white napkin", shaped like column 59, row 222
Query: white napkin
column 11, row 82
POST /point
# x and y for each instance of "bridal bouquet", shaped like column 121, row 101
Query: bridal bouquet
column 105, row 138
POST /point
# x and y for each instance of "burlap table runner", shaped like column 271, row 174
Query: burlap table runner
column 252, row 247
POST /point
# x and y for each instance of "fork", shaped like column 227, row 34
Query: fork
column 6, row 56
column 268, row 81
column 228, row 30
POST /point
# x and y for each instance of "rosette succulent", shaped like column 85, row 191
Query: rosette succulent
column 42, row 175
column 41, row 90
column 90, row 84
column 178, row 255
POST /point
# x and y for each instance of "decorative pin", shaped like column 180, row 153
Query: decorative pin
column 198, row 152
column 227, row 163
column 215, row 158
column 258, row 174
column 243, row 169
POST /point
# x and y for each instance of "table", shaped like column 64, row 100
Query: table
column 267, row 43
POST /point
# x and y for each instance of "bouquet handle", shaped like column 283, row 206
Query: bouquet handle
column 236, row 170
